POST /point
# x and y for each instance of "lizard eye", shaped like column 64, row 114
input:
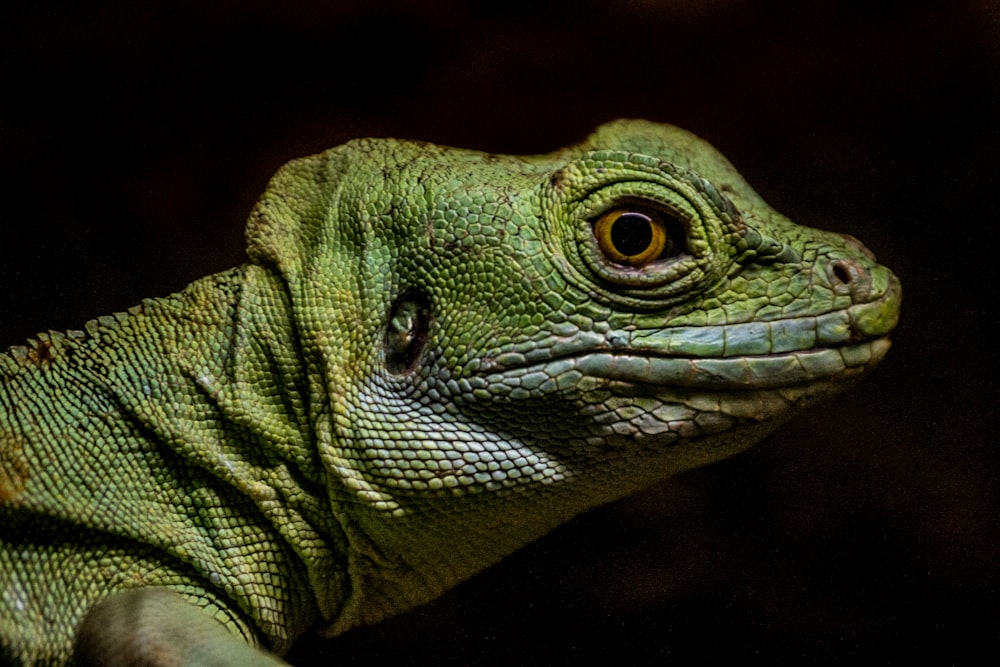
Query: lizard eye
column 636, row 236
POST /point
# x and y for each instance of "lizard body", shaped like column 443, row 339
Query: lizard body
column 434, row 357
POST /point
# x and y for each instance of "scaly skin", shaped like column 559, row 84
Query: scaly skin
column 434, row 357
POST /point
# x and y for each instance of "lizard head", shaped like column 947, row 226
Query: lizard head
column 506, row 341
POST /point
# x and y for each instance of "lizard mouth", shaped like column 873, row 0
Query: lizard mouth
column 747, row 373
column 799, row 351
column 734, row 373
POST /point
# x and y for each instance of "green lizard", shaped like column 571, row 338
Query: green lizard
column 434, row 357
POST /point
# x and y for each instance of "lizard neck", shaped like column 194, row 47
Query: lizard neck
column 249, row 368
column 182, row 425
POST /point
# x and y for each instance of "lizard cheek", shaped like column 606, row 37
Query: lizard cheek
column 406, row 332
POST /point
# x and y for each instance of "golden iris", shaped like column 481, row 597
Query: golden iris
column 631, row 237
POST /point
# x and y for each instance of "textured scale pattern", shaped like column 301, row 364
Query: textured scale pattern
column 431, row 360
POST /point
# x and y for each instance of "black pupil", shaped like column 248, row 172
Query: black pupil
column 631, row 233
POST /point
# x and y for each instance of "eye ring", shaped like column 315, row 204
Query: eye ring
column 635, row 236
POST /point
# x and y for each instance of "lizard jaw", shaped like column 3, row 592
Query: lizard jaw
column 749, row 373
column 744, row 356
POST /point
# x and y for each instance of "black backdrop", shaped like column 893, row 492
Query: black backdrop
column 134, row 138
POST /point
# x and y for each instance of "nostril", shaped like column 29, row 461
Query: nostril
column 843, row 273
column 848, row 276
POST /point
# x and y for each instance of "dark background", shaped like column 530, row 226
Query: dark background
column 134, row 138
